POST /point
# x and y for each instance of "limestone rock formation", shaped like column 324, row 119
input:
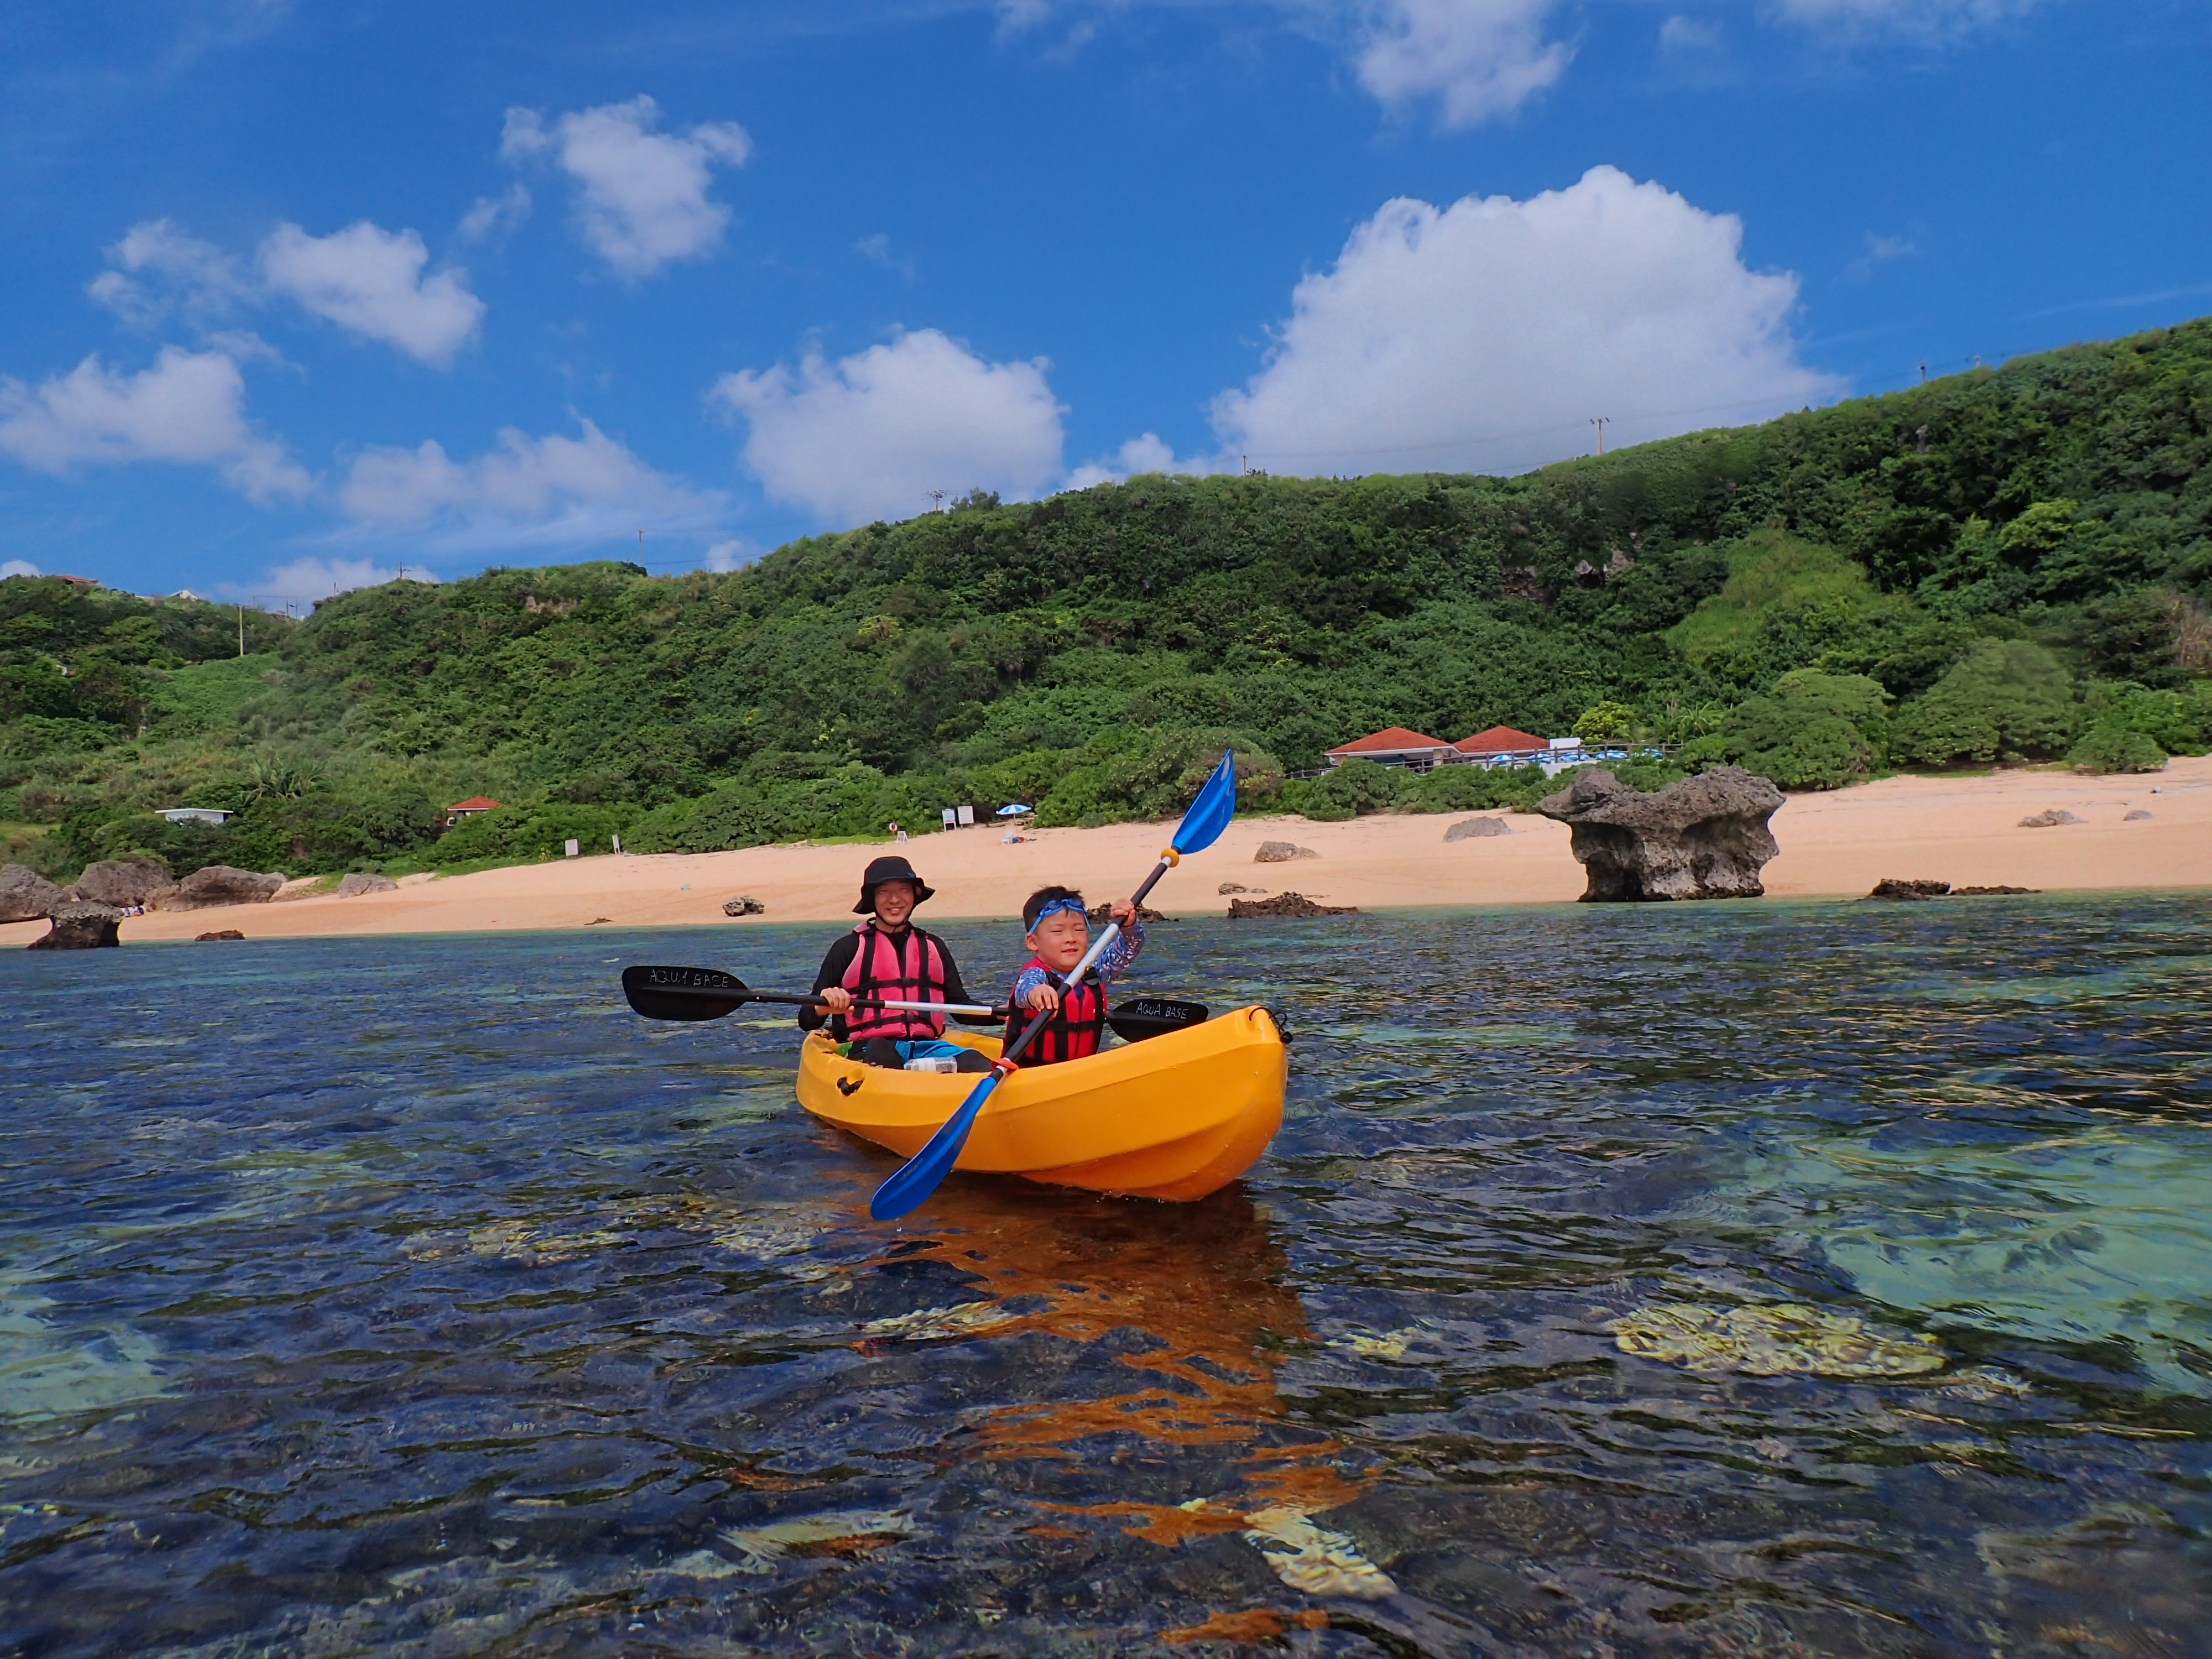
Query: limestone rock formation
column 25, row 895
column 1698, row 838
column 217, row 934
column 1229, row 887
column 1472, row 828
column 1146, row 914
column 80, row 925
column 125, row 881
column 1282, row 852
column 1896, row 887
column 220, row 884
column 366, row 881
column 2050, row 816
column 1989, row 892
column 1285, row 904
column 744, row 905
column 2135, row 816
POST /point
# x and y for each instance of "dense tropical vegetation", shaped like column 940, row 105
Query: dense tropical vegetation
column 2009, row 565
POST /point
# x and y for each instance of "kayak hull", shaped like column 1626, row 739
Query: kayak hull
column 1176, row 1116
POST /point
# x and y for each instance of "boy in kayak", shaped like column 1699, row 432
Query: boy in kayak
column 888, row 956
column 1056, row 929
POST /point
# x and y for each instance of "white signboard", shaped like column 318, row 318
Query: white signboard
column 574, row 849
column 967, row 817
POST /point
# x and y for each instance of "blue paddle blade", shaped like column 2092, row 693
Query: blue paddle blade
column 914, row 1180
column 1210, row 813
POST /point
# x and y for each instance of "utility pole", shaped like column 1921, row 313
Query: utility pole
column 1924, row 373
column 1600, row 421
column 241, row 628
column 640, row 547
column 936, row 499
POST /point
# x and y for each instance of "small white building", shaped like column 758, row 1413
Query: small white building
column 197, row 814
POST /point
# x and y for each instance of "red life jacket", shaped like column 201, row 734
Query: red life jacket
column 1072, row 1032
column 911, row 970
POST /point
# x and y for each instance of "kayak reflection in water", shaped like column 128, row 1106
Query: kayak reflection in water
column 1166, row 1395
column 888, row 956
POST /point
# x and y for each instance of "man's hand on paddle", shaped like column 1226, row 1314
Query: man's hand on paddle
column 836, row 999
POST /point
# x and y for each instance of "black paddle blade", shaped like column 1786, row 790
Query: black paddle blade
column 683, row 992
column 1150, row 1017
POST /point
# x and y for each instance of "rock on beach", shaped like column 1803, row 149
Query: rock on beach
column 1473, row 828
column 1282, row 852
column 1698, row 838
column 220, row 884
column 2047, row 818
column 125, row 881
column 366, row 881
column 1285, row 904
column 25, row 895
column 80, row 925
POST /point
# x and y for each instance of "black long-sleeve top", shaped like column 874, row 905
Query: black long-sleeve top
column 841, row 958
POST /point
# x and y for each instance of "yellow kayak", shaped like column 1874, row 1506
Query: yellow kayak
column 1174, row 1116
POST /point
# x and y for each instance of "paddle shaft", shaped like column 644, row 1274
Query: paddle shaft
column 716, row 994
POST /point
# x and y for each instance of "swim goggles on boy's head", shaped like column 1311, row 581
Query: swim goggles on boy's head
column 1072, row 903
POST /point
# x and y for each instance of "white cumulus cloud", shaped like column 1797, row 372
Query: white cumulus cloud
column 306, row 580
column 496, row 216
column 1147, row 452
column 1484, row 334
column 524, row 491
column 370, row 280
column 1479, row 59
column 364, row 278
column 869, row 435
column 159, row 267
column 17, row 567
column 190, row 408
column 641, row 195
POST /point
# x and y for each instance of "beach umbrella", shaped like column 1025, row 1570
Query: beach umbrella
column 1008, row 812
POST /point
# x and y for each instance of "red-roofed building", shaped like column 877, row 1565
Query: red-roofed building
column 1393, row 745
column 470, row 808
column 1502, row 740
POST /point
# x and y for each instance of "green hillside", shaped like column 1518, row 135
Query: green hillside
column 2010, row 564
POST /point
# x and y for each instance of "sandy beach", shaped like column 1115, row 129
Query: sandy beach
column 1961, row 829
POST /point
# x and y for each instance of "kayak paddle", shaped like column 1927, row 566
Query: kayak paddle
column 912, row 1182
column 709, row 993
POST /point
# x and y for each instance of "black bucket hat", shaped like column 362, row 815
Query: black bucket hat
column 882, row 869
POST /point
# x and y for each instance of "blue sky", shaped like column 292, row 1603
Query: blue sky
column 297, row 296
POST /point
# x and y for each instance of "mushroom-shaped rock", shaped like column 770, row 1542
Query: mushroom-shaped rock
column 220, row 884
column 744, row 904
column 125, row 881
column 1698, row 838
column 366, row 881
column 25, row 895
column 80, row 925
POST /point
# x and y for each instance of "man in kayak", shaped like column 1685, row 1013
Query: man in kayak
column 888, row 956
column 1056, row 929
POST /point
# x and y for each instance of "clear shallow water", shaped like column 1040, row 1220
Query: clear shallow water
column 412, row 1296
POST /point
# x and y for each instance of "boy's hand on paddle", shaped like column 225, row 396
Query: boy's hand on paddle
column 836, row 999
column 1042, row 998
column 1123, row 912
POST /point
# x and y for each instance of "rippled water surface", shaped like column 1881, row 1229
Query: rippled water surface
column 1824, row 1280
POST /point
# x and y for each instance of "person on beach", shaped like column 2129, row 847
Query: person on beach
column 1056, row 931
column 888, row 956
